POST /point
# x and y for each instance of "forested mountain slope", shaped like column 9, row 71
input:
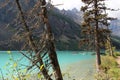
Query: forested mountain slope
column 66, row 31
column 65, row 26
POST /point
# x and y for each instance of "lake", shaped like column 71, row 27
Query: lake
column 78, row 64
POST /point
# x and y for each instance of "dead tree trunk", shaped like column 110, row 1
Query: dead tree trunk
column 31, row 43
column 52, row 53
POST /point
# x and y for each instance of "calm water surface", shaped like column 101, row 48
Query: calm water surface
column 65, row 59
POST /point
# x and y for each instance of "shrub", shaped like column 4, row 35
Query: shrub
column 117, row 53
column 114, row 73
column 108, row 62
column 16, row 71
column 102, row 76
column 109, row 69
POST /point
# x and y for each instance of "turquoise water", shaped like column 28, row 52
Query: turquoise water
column 68, row 57
column 64, row 57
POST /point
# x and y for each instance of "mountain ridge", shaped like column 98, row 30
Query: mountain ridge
column 65, row 30
column 65, row 26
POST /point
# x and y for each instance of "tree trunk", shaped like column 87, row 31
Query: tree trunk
column 110, row 46
column 55, row 63
column 44, row 71
column 52, row 52
column 98, row 60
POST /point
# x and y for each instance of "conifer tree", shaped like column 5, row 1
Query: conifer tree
column 95, row 25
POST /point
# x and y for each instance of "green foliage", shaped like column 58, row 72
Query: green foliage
column 114, row 73
column 108, row 62
column 116, row 41
column 39, row 75
column 109, row 69
column 102, row 76
column 14, row 70
column 117, row 53
column 17, row 72
column 107, row 46
column 61, row 45
column 95, row 24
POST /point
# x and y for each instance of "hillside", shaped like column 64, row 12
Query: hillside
column 65, row 30
column 116, row 41
column 115, row 27
column 65, row 26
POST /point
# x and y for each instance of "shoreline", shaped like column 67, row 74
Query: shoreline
column 82, row 70
column 79, row 71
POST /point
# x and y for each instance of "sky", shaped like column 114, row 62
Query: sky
column 70, row 4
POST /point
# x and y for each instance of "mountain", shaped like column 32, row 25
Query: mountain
column 66, row 31
column 116, row 41
column 73, row 14
column 65, row 26
column 115, row 27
